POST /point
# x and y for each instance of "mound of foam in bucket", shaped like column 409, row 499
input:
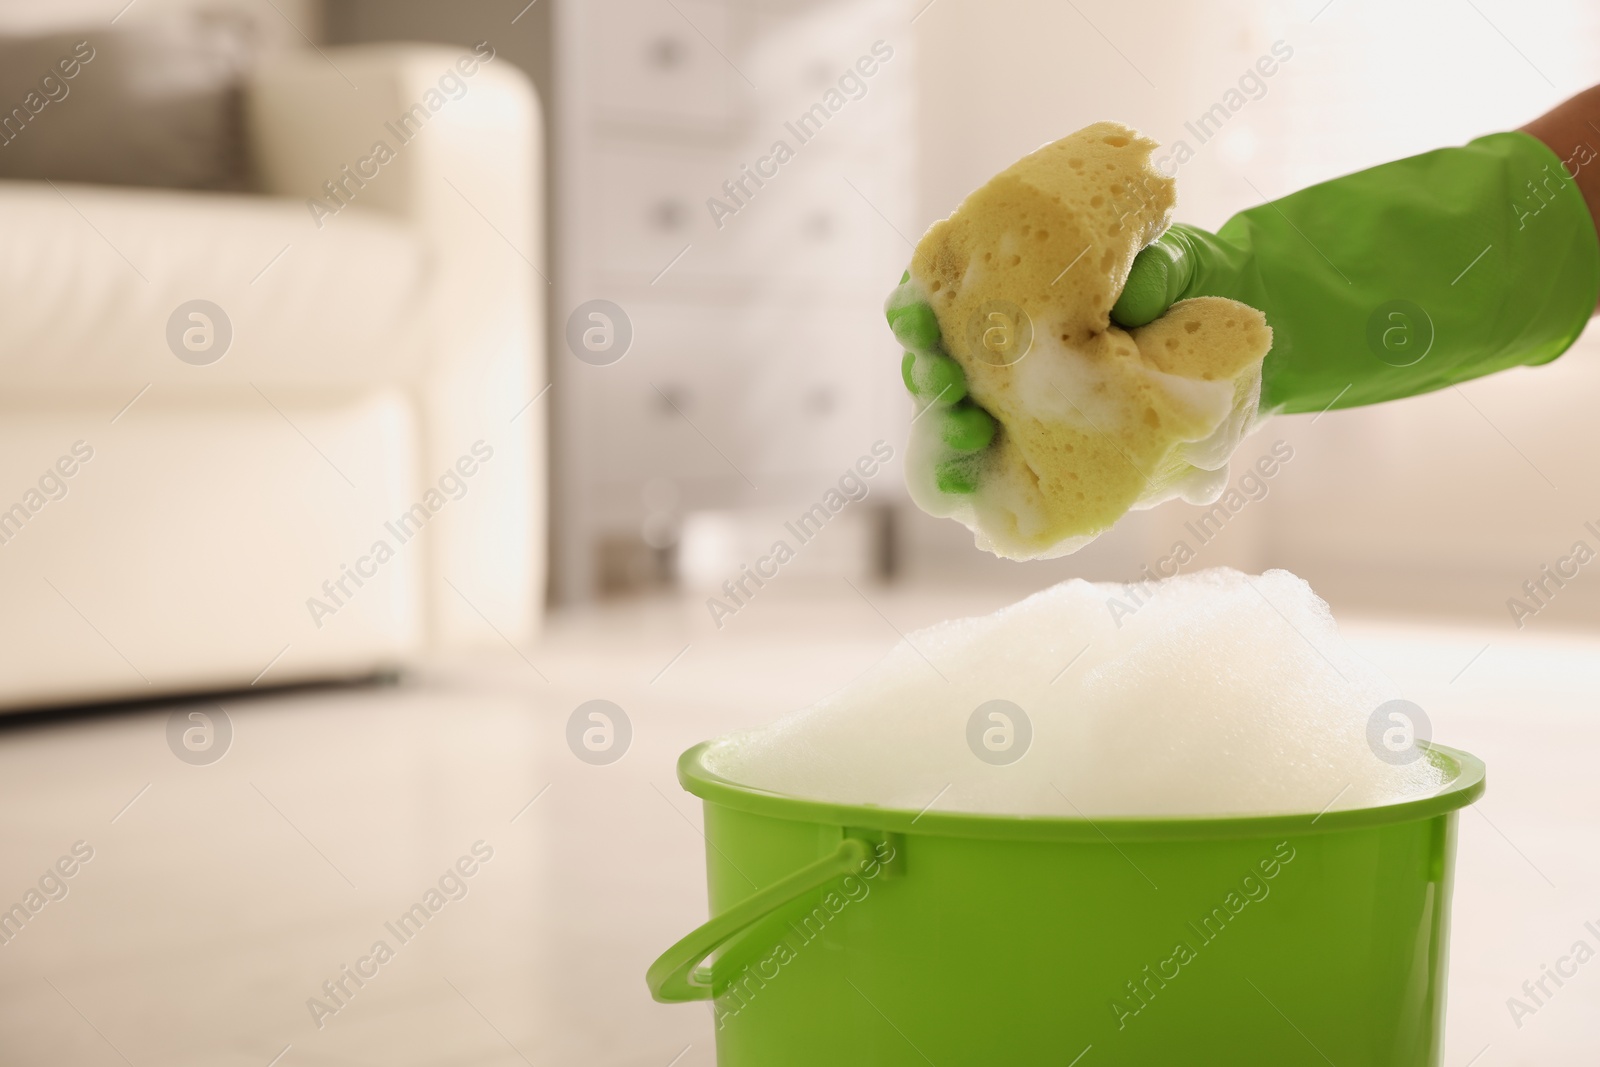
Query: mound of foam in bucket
column 1216, row 693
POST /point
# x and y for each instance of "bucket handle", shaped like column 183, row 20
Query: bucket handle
column 678, row 976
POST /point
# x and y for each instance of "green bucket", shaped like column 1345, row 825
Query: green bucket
column 855, row 935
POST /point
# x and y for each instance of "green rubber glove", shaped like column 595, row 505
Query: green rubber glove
column 938, row 382
column 1398, row 280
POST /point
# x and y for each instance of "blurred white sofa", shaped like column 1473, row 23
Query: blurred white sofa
column 170, row 525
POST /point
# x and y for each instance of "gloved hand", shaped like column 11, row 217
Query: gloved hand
column 938, row 383
column 1398, row 280
column 1387, row 283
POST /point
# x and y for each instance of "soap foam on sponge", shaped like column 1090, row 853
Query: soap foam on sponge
column 1220, row 694
column 1094, row 420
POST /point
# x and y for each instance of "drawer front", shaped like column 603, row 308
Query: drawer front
column 656, row 63
column 819, row 231
column 672, row 407
column 780, row 392
column 651, row 205
column 820, row 224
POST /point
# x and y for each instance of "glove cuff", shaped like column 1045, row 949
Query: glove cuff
column 1558, row 236
column 1414, row 275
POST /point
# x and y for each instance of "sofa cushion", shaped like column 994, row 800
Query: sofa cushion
column 91, row 277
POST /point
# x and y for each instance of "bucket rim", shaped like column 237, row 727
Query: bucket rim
column 1466, row 786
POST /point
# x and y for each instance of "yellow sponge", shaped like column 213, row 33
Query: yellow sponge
column 1094, row 420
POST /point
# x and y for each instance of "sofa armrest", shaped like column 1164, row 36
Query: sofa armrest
column 446, row 139
column 316, row 120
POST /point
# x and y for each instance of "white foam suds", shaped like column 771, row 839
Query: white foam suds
column 1207, row 694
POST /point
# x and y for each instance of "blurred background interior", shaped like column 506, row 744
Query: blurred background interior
column 404, row 347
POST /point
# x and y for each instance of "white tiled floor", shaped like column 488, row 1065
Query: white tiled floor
column 222, row 897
